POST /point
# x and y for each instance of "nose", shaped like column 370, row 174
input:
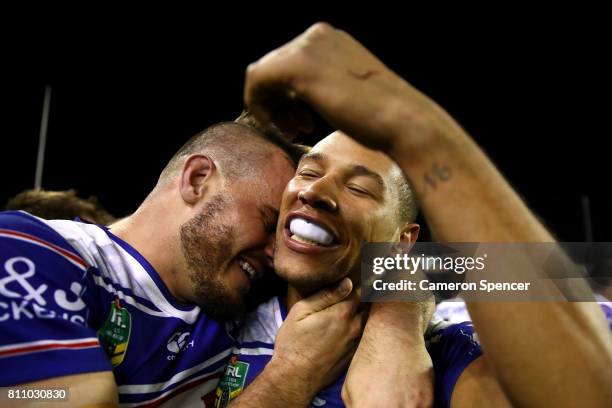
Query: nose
column 319, row 195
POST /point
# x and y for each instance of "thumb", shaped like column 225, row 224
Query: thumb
column 325, row 298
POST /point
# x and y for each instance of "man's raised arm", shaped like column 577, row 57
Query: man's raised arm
column 553, row 354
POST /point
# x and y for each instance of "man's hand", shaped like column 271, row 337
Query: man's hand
column 391, row 367
column 339, row 78
column 320, row 335
column 313, row 347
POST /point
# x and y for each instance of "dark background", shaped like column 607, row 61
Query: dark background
column 129, row 90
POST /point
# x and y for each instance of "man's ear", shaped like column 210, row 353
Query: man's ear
column 196, row 173
column 408, row 236
column 410, row 233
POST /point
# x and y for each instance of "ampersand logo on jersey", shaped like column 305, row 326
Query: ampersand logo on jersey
column 25, row 295
column 20, row 269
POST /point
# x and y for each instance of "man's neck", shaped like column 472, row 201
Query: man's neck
column 144, row 232
column 293, row 296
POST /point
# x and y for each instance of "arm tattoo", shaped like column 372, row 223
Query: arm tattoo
column 436, row 175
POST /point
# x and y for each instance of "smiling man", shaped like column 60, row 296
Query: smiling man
column 342, row 196
column 464, row 198
column 324, row 221
column 135, row 314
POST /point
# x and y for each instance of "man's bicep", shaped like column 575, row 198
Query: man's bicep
column 478, row 387
column 82, row 390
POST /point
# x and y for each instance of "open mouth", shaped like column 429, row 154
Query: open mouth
column 303, row 232
column 309, row 232
column 248, row 269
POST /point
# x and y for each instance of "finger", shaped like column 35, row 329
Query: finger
column 279, row 107
column 324, row 298
column 270, row 90
column 288, row 114
column 302, row 116
column 348, row 306
column 267, row 80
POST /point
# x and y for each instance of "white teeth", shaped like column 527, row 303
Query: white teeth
column 309, row 231
column 248, row 269
column 304, row 240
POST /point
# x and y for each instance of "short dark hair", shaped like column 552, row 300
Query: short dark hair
column 238, row 146
column 63, row 205
column 407, row 205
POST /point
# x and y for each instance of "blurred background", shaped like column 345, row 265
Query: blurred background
column 129, row 89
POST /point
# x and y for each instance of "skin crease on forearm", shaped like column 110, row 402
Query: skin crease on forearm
column 566, row 346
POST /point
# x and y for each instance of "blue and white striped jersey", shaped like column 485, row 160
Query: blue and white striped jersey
column 75, row 299
column 452, row 348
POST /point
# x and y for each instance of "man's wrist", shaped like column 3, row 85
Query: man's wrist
column 420, row 128
column 296, row 387
column 401, row 321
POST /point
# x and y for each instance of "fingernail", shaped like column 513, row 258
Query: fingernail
column 345, row 286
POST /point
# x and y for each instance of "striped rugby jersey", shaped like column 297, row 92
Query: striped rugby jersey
column 452, row 347
column 75, row 299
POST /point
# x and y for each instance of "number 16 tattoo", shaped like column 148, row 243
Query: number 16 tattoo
column 436, row 175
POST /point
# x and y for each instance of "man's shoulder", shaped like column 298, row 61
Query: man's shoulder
column 71, row 239
column 46, row 303
column 28, row 239
column 22, row 220
column 24, row 227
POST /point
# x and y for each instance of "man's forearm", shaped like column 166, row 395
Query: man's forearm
column 392, row 328
column 444, row 165
column 405, row 319
column 465, row 199
column 393, row 347
column 273, row 389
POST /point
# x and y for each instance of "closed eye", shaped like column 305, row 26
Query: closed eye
column 308, row 174
column 358, row 190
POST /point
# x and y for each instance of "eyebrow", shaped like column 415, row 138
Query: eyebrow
column 356, row 169
column 269, row 215
column 313, row 156
column 360, row 170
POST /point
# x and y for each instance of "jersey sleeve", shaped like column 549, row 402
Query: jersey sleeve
column 452, row 347
column 606, row 308
column 45, row 304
